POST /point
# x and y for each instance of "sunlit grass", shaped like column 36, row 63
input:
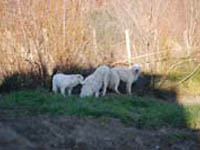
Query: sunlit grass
column 131, row 110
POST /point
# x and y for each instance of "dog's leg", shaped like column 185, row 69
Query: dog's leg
column 97, row 94
column 115, row 81
column 55, row 88
column 69, row 91
column 104, row 89
column 63, row 91
column 116, row 88
column 105, row 84
column 116, row 85
column 128, row 87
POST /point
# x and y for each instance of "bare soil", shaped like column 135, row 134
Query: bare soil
column 189, row 99
column 74, row 133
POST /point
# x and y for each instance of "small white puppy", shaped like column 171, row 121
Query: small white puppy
column 94, row 82
column 64, row 81
column 129, row 76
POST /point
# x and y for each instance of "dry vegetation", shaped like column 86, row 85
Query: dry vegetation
column 37, row 36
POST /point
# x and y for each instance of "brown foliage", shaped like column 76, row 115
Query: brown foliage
column 39, row 35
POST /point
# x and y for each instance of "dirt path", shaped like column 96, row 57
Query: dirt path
column 74, row 133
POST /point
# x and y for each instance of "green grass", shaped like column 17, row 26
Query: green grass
column 132, row 110
column 192, row 116
column 189, row 87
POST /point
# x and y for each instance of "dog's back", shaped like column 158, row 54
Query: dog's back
column 123, row 73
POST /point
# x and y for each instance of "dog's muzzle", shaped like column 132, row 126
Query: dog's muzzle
column 137, row 70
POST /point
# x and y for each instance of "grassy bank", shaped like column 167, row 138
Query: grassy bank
column 132, row 110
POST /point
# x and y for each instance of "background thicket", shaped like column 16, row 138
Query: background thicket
column 39, row 36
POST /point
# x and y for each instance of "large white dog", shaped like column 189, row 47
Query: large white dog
column 129, row 76
column 64, row 81
column 94, row 82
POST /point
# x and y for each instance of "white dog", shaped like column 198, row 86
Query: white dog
column 129, row 76
column 64, row 81
column 94, row 82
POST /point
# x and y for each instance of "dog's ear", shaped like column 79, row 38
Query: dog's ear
column 139, row 66
column 80, row 77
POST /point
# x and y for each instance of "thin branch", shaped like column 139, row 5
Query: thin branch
column 170, row 69
column 188, row 76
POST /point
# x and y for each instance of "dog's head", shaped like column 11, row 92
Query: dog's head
column 136, row 69
column 86, row 91
column 80, row 78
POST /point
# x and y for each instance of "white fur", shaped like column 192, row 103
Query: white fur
column 64, row 81
column 94, row 82
column 129, row 76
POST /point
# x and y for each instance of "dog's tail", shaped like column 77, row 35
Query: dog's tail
column 51, row 78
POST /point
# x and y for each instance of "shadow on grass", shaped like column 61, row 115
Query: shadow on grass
column 33, row 80
column 143, row 109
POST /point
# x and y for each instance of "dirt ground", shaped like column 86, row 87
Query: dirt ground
column 74, row 133
column 189, row 100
